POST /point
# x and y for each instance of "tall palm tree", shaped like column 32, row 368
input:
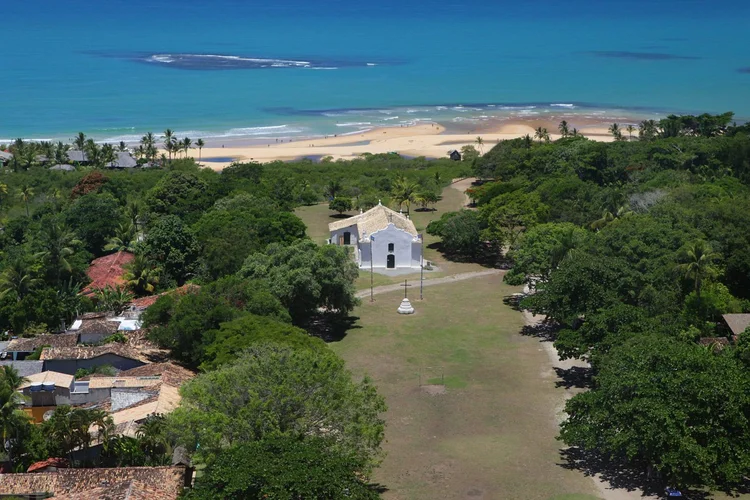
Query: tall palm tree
column 698, row 264
column 122, row 147
column 563, row 128
column 186, row 143
column 133, row 212
column 630, row 128
column 541, row 134
column 26, row 193
column 58, row 244
column 574, row 132
column 80, row 141
column 169, row 141
column 199, row 144
column 148, row 142
column 108, row 154
column 480, row 144
column 61, row 153
column 609, row 216
column 527, row 141
column 124, row 239
column 152, row 434
column 614, row 129
column 16, row 278
column 647, row 130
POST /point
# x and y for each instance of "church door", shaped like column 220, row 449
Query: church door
column 347, row 238
column 391, row 262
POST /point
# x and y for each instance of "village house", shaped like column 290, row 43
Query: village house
column 24, row 368
column 71, row 359
column 455, row 155
column 737, row 323
column 107, row 271
column 380, row 238
column 92, row 328
column 19, row 348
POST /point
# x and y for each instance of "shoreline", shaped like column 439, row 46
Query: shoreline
column 431, row 140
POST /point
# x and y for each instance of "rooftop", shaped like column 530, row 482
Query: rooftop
column 146, row 302
column 98, row 382
column 64, row 167
column 737, row 322
column 50, row 462
column 82, row 352
column 59, row 379
column 171, row 374
column 98, row 325
column 25, row 368
column 32, row 343
column 107, row 271
column 133, row 483
column 374, row 220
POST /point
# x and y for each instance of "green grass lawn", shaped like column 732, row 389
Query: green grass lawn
column 492, row 434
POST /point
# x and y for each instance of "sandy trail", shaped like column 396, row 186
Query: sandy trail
column 429, row 282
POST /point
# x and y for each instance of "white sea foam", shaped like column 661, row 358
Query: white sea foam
column 562, row 105
column 371, row 64
column 353, row 124
column 390, row 118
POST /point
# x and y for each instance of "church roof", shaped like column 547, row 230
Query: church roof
column 375, row 219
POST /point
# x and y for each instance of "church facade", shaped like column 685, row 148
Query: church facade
column 381, row 238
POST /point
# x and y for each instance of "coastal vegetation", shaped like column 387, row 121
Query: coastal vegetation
column 632, row 251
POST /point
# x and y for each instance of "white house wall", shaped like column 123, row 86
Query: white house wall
column 405, row 248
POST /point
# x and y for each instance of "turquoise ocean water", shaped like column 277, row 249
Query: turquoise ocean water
column 229, row 68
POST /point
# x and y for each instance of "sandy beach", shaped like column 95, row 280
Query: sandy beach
column 432, row 140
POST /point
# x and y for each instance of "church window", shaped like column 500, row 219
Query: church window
column 390, row 247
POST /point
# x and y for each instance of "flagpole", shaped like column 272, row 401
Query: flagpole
column 421, row 267
column 372, row 293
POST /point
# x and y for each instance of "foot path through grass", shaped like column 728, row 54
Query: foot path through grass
column 429, row 282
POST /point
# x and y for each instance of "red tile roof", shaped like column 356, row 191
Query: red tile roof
column 146, row 302
column 60, row 463
column 133, row 483
column 107, row 271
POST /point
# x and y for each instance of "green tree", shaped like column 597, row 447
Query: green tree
column 169, row 142
column 274, row 390
column 17, row 279
column 658, row 402
column 541, row 134
column 141, row 276
column 80, row 141
column 58, row 244
column 614, row 129
column 95, row 217
column 469, row 153
column 186, row 144
column 233, row 337
column 181, row 194
column 172, row 246
column 630, row 128
column 306, row 277
column 283, row 468
column 113, row 298
column 460, row 233
column 12, row 418
column 480, row 144
column 124, row 239
column 403, row 191
column 340, row 204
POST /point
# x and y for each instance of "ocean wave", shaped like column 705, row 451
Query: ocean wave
column 353, row 124
column 569, row 106
column 229, row 61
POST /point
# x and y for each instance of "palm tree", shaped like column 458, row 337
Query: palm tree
column 124, row 239
column 614, row 129
column 574, row 132
column 108, row 154
column 333, row 188
column 647, row 130
column 169, row 141
column 199, row 144
column 133, row 212
column 141, row 276
column 122, row 147
column 608, row 217
column 153, row 436
column 17, row 279
column 541, row 134
column 12, row 417
column 148, row 142
column 403, row 191
column 630, row 128
column 58, row 244
column 61, row 153
column 563, row 128
column 480, row 144
column 3, row 190
column 527, row 141
column 699, row 258
column 80, row 141
column 26, row 193
column 113, row 299
column 186, row 143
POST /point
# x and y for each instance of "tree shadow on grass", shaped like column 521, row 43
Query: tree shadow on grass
column 629, row 476
column 331, row 327
column 487, row 257
column 340, row 216
column 578, row 377
column 545, row 331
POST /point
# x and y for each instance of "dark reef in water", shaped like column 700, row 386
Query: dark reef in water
column 744, row 70
column 641, row 56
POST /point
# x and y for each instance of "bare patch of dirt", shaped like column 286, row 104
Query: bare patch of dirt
column 434, row 390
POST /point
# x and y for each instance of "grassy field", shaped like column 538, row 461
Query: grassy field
column 317, row 218
column 492, row 433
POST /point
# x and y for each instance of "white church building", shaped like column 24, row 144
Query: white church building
column 380, row 237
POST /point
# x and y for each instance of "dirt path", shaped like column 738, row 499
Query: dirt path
column 462, row 186
column 429, row 282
